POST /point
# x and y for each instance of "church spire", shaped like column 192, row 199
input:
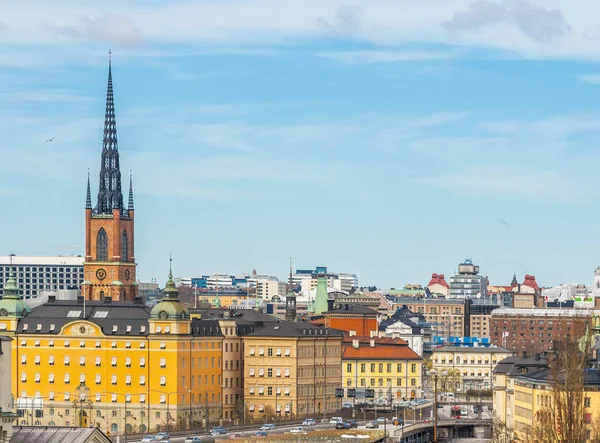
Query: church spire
column 109, row 192
column 290, row 299
column 130, row 204
column 88, row 197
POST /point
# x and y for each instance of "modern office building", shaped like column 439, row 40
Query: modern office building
column 36, row 275
column 468, row 283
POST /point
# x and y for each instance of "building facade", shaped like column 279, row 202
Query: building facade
column 447, row 317
column 468, row 283
column 36, row 275
column 109, row 266
column 385, row 365
column 291, row 370
column 6, row 398
column 467, row 368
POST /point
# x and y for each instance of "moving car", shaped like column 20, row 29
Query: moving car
column 297, row 430
column 149, row 438
column 397, row 421
column 342, row 425
column 161, row 436
column 267, row 427
column 353, row 423
column 260, row 434
column 372, row 424
column 335, row 420
column 382, row 419
column 193, row 439
column 218, row 430
column 309, row 422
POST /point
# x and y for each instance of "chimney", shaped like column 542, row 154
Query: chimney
column 524, row 354
column 352, row 333
column 355, row 343
column 372, row 334
column 138, row 301
column 537, row 357
column 330, row 302
column 51, row 298
column 372, row 343
column 381, row 334
column 107, row 299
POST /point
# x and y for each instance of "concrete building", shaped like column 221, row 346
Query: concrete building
column 466, row 368
column 437, row 286
column 386, row 365
column 291, row 370
column 6, row 398
column 468, row 283
column 38, row 274
column 268, row 287
column 408, row 326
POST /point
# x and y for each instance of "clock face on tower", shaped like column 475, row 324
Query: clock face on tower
column 101, row 274
column 127, row 274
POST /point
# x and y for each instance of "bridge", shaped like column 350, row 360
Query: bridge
column 423, row 432
column 465, row 403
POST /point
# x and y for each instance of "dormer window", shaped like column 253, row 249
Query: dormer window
column 25, row 326
column 115, row 328
column 128, row 329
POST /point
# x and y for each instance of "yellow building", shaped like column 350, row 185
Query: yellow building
column 291, row 369
column 116, row 365
column 467, row 367
column 386, row 365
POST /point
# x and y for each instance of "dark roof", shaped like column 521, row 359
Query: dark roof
column 206, row 327
column 106, row 315
column 403, row 315
column 293, row 329
column 513, row 365
column 57, row 434
column 352, row 309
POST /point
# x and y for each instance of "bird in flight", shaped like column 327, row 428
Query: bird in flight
column 49, row 140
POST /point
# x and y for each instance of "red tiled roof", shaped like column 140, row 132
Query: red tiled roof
column 379, row 353
column 530, row 281
column 437, row 279
column 384, row 341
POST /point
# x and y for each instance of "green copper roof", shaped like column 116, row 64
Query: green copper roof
column 170, row 307
column 321, row 298
column 11, row 304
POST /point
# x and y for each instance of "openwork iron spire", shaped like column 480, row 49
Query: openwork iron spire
column 88, row 197
column 109, row 192
column 130, row 203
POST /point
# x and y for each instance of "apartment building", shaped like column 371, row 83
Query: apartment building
column 291, row 369
column 446, row 316
column 386, row 365
column 463, row 368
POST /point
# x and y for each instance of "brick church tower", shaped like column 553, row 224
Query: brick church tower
column 109, row 266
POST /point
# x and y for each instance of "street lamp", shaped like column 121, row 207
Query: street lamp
column 126, row 398
column 435, row 375
column 168, row 394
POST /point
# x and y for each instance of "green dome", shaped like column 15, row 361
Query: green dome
column 170, row 307
column 11, row 304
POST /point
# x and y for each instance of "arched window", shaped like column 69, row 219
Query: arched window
column 102, row 246
column 124, row 247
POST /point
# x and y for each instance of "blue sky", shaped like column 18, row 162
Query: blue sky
column 398, row 137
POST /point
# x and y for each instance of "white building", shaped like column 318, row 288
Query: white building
column 567, row 292
column 37, row 274
column 6, row 401
column 267, row 287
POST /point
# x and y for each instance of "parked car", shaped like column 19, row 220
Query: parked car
column 309, row 422
column 372, row 424
column 267, row 427
column 342, row 425
column 335, row 420
column 218, row 430
column 161, row 436
column 297, row 430
column 260, row 434
column 347, row 405
column 194, row 439
column 382, row 419
column 149, row 438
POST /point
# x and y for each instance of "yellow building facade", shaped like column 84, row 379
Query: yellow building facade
column 116, row 365
column 391, row 370
column 291, row 369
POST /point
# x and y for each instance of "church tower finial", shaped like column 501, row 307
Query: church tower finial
column 130, row 203
column 109, row 192
column 88, row 197
column 290, row 299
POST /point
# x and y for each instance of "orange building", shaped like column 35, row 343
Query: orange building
column 109, row 266
column 354, row 319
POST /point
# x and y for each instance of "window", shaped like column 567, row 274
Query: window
column 67, row 381
column 270, row 390
column 398, row 381
column 363, row 367
column 68, row 343
column 113, row 380
column 128, row 362
column 82, row 361
column 413, row 367
column 388, row 367
column 51, row 378
column 113, row 362
column 102, row 245
column 399, row 367
column 67, row 360
column 163, row 381
column 142, row 380
column 163, row 363
column 348, row 367
column 270, row 372
column 124, row 247
column 380, row 367
column 587, row 402
column 270, row 352
column 142, row 362
column 98, row 379
column 128, row 380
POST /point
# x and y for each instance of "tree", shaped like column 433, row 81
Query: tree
column 562, row 417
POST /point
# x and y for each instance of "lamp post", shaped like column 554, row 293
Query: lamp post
column 124, row 395
column 168, row 394
column 435, row 375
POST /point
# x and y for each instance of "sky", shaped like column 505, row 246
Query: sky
column 393, row 138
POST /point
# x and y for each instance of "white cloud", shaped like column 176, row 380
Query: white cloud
column 566, row 29
column 384, row 56
column 592, row 79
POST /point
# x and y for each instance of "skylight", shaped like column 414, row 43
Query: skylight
column 74, row 314
column 100, row 314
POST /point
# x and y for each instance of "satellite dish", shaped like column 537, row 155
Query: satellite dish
column 479, row 295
